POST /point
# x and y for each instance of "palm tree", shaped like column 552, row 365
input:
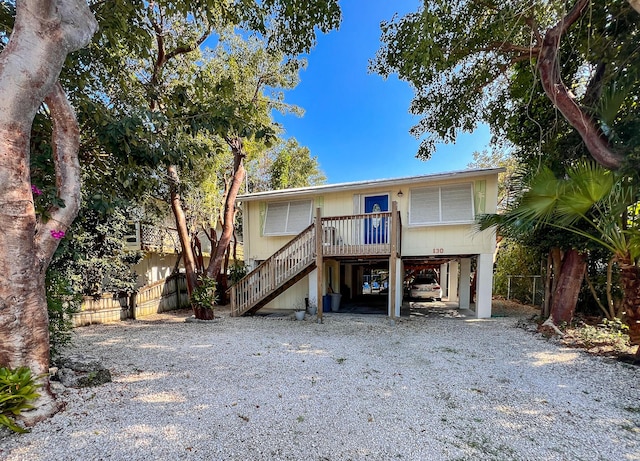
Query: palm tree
column 599, row 200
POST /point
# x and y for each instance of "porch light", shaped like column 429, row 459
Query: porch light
column 400, row 194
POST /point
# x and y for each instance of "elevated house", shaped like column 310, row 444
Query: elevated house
column 307, row 242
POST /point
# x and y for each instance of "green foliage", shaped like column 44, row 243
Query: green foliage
column 93, row 256
column 287, row 164
column 237, row 271
column 17, row 390
column 609, row 332
column 518, row 263
column 591, row 195
column 204, row 294
column 293, row 166
column 473, row 62
column 62, row 302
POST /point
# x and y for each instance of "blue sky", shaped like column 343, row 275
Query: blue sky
column 356, row 123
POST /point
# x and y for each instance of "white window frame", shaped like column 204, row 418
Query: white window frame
column 440, row 221
column 286, row 230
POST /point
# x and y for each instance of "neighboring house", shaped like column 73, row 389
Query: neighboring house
column 160, row 247
column 390, row 224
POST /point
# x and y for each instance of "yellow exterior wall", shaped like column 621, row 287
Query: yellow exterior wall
column 431, row 240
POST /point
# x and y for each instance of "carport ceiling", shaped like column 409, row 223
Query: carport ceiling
column 429, row 262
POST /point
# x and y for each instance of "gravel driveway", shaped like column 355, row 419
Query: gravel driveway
column 355, row 387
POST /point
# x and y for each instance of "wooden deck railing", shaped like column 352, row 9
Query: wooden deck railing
column 360, row 235
column 275, row 272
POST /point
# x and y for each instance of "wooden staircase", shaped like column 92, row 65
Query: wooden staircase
column 276, row 274
column 361, row 235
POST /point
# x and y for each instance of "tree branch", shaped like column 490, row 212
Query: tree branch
column 531, row 22
column 65, row 143
column 188, row 48
column 554, row 87
column 595, row 296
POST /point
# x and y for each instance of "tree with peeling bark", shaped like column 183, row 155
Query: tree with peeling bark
column 175, row 32
column 44, row 33
column 462, row 57
column 607, row 202
column 231, row 98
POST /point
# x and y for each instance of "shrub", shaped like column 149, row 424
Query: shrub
column 610, row 332
column 237, row 271
column 62, row 302
column 204, row 295
column 17, row 389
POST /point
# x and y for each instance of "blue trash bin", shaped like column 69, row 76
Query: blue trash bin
column 326, row 303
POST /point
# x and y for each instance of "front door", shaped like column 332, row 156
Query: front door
column 375, row 228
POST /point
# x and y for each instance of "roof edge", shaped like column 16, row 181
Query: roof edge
column 312, row 190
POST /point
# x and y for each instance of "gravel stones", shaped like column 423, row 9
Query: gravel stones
column 354, row 387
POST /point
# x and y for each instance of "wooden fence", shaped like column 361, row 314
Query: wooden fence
column 165, row 295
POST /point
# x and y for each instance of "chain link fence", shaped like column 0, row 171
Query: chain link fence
column 526, row 289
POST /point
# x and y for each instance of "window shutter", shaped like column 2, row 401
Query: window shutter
column 441, row 205
column 299, row 216
column 275, row 221
column 283, row 218
column 457, row 203
column 425, row 206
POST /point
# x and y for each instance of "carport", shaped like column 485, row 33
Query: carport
column 452, row 272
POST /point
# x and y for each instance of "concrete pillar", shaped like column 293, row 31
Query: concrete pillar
column 444, row 276
column 398, row 291
column 452, row 289
column 464, row 287
column 484, row 284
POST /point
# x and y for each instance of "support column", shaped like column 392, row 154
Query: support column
column 444, row 284
column 348, row 280
column 484, row 284
column 452, row 289
column 393, row 263
column 464, row 286
column 396, row 294
column 319, row 266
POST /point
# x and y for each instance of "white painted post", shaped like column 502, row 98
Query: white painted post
column 399, row 286
column 443, row 280
column 452, row 289
column 484, row 284
column 464, row 287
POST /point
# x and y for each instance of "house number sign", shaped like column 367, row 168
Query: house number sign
column 438, row 251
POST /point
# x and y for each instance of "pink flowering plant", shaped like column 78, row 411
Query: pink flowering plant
column 45, row 197
column 57, row 234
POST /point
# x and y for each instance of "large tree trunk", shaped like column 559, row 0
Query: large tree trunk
column 217, row 258
column 630, row 280
column 183, row 231
column 565, row 296
column 43, row 34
